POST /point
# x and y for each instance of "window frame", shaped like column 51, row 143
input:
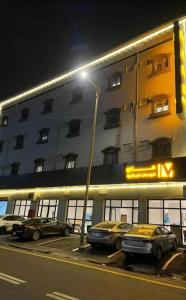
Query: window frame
column 24, row 115
column 4, row 121
column 39, row 162
column 109, row 116
column 71, row 125
column 110, row 150
column 157, row 143
column 159, row 99
column 14, row 168
column 71, row 157
column 115, row 76
column 1, row 145
column 42, row 133
column 77, row 95
column 160, row 60
column 19, row 141
column 48, row 106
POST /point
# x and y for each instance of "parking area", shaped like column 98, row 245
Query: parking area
column 171, row 263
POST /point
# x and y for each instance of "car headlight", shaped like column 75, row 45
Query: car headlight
column 149, row 246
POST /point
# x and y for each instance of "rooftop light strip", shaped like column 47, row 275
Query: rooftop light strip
column 68, row 75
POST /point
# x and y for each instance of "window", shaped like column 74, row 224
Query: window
column 121, row 210
column 160, row 64
column 70, row 161
column 160, row 106
column 4, row 122
column 75, row 214
column 14, row 168
column 22, row 207
column 48, row 103
column 43, row 136
column 162, row 148
column 19, row 142
column 24, row 115
column 48, row 208
column 39, row 165
column 74, row 128
column 77, row 94
column 1, row 145
column 115, row 80
column 110, row 155
column 112, row 118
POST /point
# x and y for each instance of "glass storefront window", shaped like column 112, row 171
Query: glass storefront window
column 183, row 203
column 75, row 214
column 172, row 203
column 121, row 210
column 183, row 217
column 48, row 208
column 3, row 206
column 156, row 203
column 21, row 207
column 156, row 216
column 171, row 217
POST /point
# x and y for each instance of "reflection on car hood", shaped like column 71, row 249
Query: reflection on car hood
column 140, row 236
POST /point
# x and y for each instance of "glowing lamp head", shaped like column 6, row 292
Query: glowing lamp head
column 84, row 74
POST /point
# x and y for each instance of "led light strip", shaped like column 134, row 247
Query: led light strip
column 62, row 78
column 109, row 187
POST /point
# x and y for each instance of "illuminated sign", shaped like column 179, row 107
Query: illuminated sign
column 160, row 170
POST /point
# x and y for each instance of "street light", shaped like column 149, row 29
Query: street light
column 98, row 91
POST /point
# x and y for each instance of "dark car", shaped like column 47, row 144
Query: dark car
column 148, row 239
column 35, row 228
column 107, row 233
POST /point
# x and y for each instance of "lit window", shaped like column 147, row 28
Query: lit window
column 48, row 104
column 115, row 80
column 70, row 161
column 39, row 165
column 43, row 136
column 4, row 122
column 112, row 118
column 110, row 155
column 160, row 63
column 74, row 128
column 160, row 106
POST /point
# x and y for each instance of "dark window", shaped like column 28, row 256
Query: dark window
column 1, row 146
column 77, row 94
column 74, row 128
column 161, row 148
column 43, row 136
column 14, row 168
column 70, row 161
column 110, row 155
column 48, row 106
column 19, row 142
column 115, row 80
column 4, row 122
column 112, row 118
column 39, row 165
column 24, row 114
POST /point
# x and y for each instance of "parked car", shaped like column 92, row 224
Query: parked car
column 148, row 239
column 7, row 221
column 107, row 233
column 35, row 228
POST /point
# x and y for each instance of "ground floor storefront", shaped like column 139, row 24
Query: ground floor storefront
column 147, row 193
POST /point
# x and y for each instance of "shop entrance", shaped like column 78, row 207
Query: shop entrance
column 121, row 210
column 75, row 214
column 170, row 213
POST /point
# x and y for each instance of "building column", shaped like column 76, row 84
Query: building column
column 62, row 209
column 142, row 210
column 10, row 207
column 98, row 209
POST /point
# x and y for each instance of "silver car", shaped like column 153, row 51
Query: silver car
column 148, row 239
column 107, row 233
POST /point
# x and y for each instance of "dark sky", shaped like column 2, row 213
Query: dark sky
column 42, row 39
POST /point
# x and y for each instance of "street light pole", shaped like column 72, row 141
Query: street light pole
column 98, row 91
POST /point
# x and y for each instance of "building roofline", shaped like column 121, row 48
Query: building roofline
column 66, row 77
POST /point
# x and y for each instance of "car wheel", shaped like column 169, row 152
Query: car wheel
column 67, row 231
column 118, row 244
column 36, row 235
column 3, row 230
column 174, row 246
column 158, row 254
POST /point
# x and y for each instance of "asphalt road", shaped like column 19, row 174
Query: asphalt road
column 26, row 275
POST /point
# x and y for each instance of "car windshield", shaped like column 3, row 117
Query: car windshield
column 28, row 221
column 142, row 231
column 105, row 225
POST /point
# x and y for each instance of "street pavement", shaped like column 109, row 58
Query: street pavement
column 37, row 276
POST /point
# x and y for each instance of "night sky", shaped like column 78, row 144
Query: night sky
column 43, row 39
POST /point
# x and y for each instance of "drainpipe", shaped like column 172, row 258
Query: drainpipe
column 136, row 114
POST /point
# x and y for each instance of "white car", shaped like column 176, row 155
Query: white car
column 7, row 221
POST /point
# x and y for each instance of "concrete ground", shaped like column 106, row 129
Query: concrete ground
column 172, row 264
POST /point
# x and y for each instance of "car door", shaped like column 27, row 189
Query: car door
column 50, row 227
column 167, row 239
column 124, row 228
